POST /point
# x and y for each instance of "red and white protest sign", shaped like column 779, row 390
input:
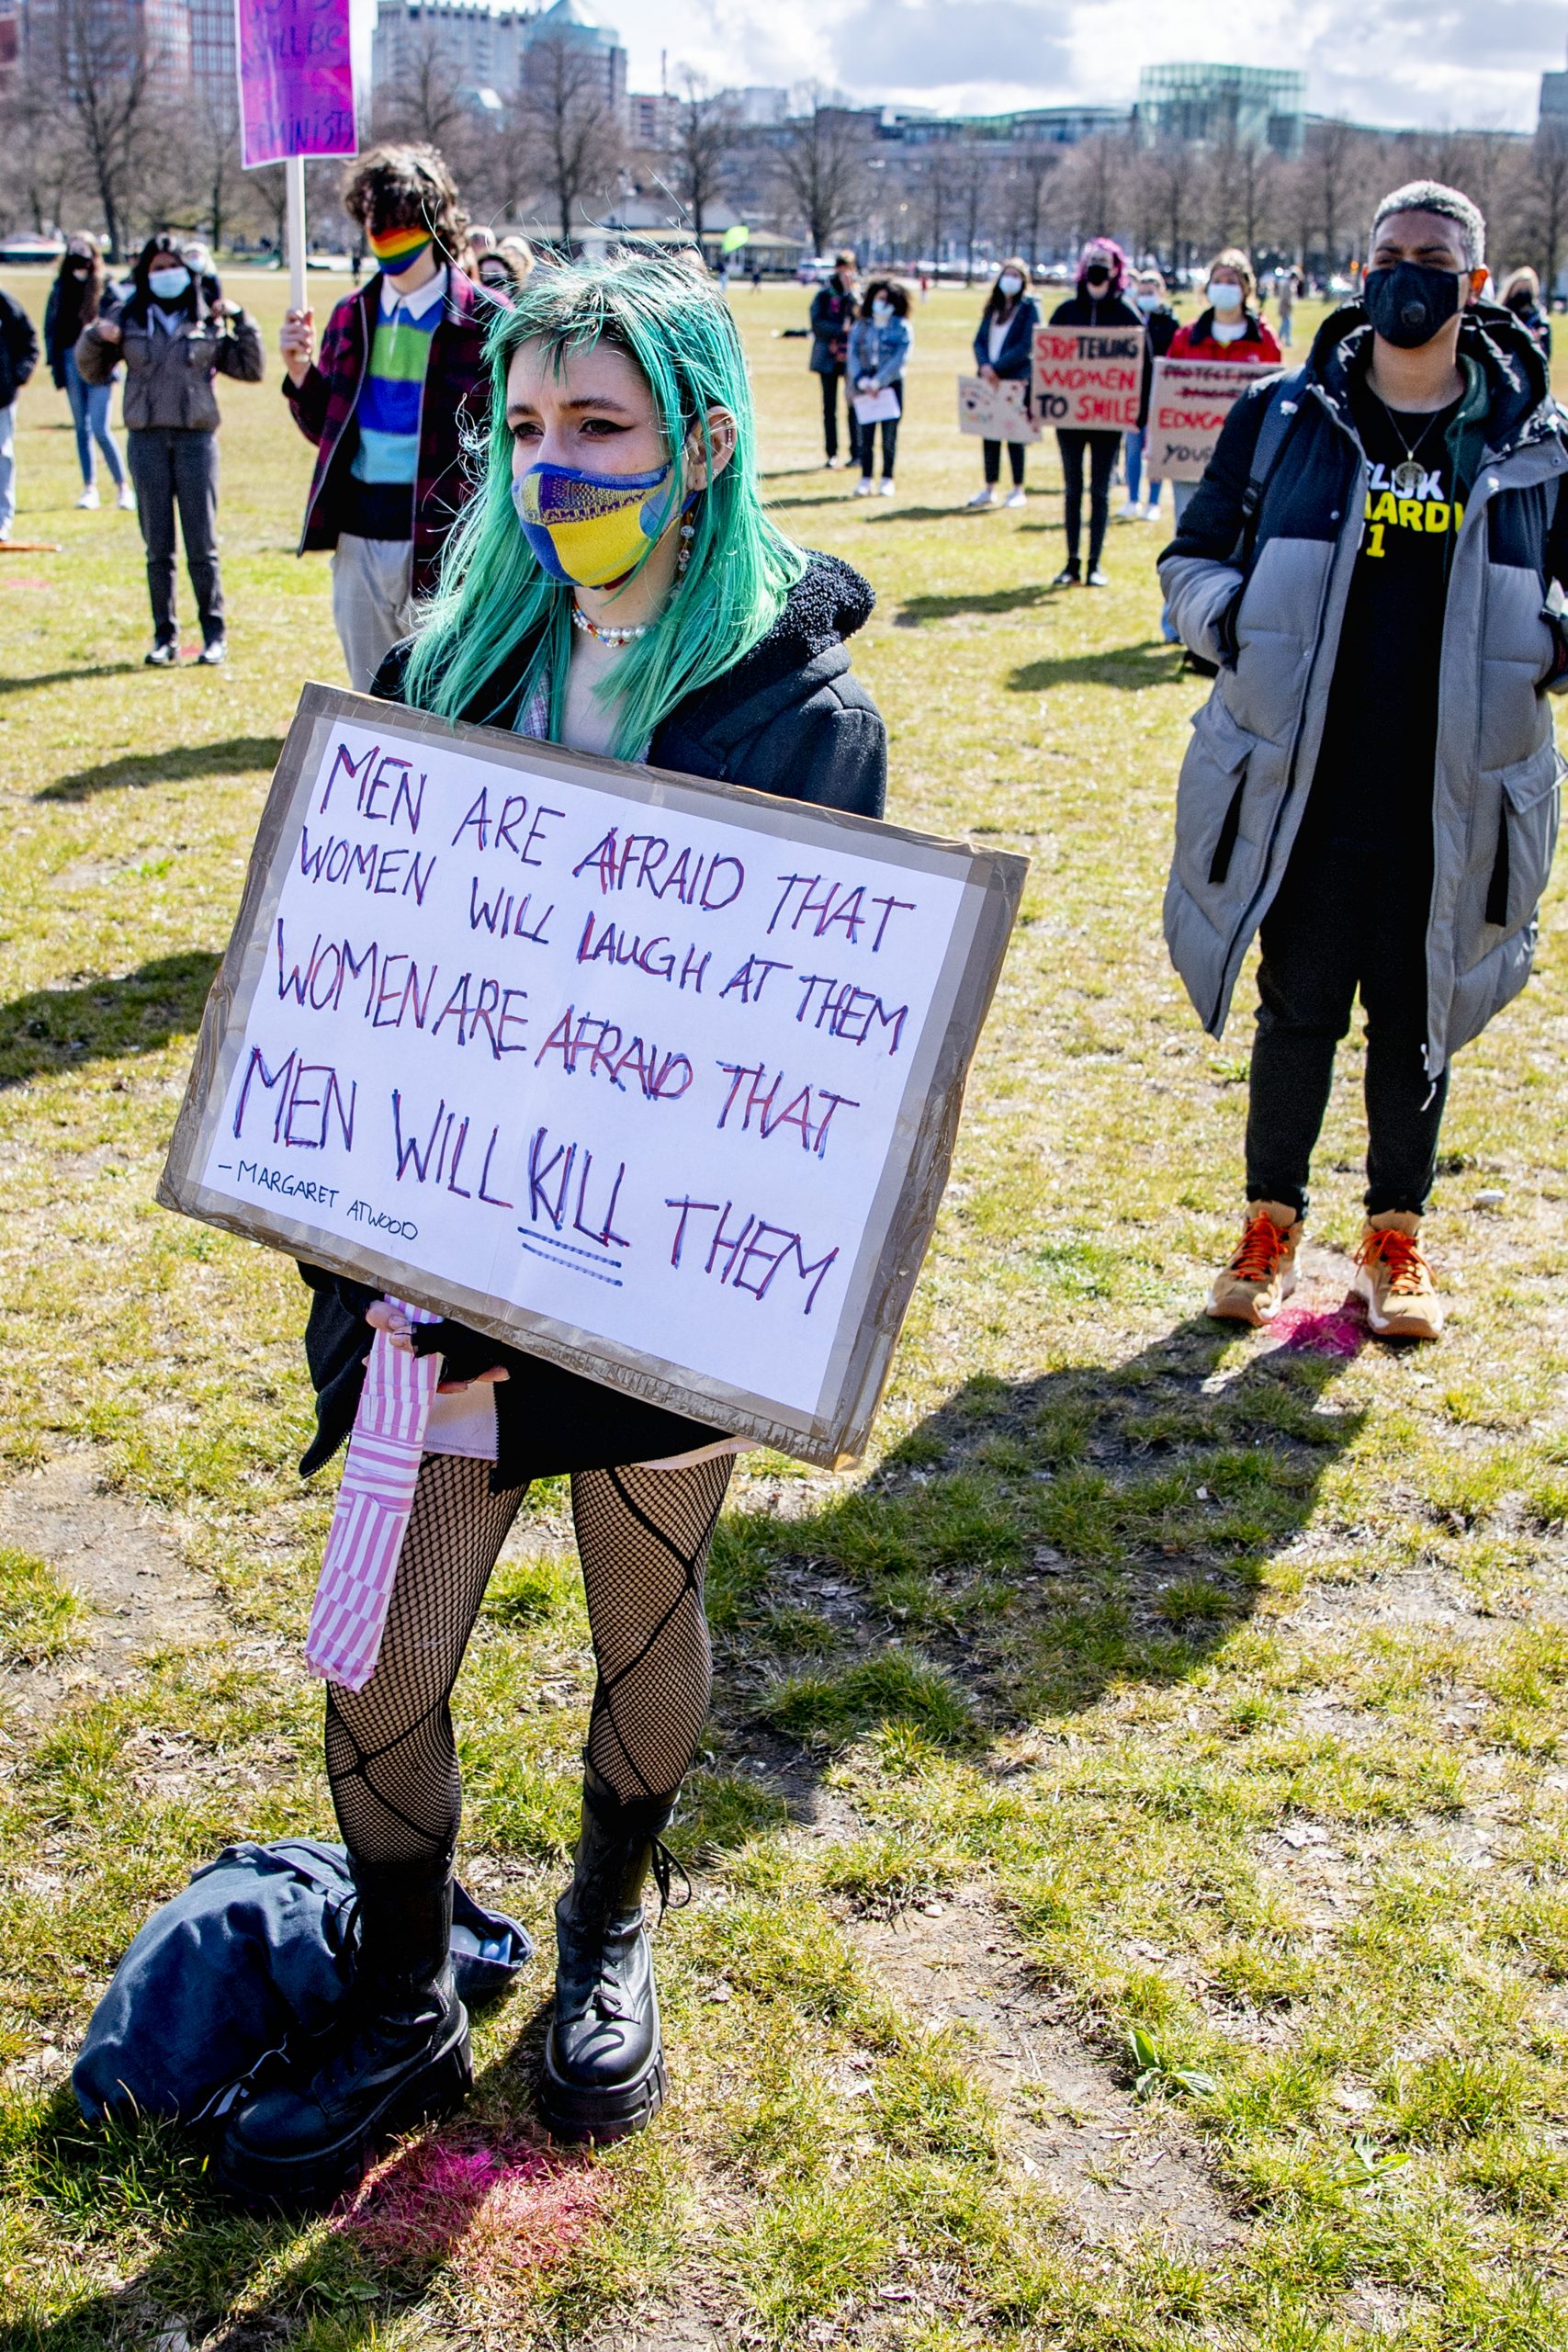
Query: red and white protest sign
column 1087, row 379
column 1188, row 405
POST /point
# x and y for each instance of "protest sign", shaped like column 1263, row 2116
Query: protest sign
column 654, row 1078
column 1189, row 401
column 296, row 79
column 1087, row 379
column 880, row 407
column 996, row 411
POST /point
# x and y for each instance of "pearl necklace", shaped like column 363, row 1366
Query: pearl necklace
column 601, row 629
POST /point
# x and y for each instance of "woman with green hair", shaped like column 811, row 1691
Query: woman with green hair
column 616, row 587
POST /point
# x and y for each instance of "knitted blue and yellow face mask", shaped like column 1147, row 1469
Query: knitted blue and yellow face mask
column 593, row 529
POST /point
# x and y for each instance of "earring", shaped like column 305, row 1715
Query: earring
column 688, row 533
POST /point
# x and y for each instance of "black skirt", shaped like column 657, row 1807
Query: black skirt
column 548, row 1421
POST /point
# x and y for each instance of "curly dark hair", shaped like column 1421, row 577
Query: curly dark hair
column 403, row 185
column 888, row 289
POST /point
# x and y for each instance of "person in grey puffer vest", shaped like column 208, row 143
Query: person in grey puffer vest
column 173, row 342
column 1375, row 559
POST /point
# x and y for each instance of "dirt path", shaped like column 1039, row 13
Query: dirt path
column 120, row 1559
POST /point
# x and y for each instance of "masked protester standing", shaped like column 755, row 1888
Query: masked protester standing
column 880, row 344
column 1160, row 329
column 1100, row 301
column 615, row 586
column 75, row 299
column 174, row 343
column 833, row 307
column 1520, row 293
column 1373, row 781
column 1230, row 333
column 396, row 393
column 1004, row 345
column 19, row 357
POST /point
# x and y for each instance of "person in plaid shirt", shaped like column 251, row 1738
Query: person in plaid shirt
column 392, row 400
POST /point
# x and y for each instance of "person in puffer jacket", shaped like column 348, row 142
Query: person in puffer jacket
column 174, row 341
column 1375, row 559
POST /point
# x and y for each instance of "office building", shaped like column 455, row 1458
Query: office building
column 1257, row 106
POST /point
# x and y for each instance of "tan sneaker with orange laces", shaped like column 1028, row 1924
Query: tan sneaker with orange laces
column 1392, row 1276
column 1262, row 1273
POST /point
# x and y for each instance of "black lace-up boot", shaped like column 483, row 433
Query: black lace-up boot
column 603, row 2059
column 397, row 2056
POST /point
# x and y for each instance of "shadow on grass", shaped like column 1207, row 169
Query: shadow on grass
column 69, row 677
column 916, row 610
column 1029, row 1544
column 1131, row 667
column 56, row 1029
column 484, row 2192
column 238, row 756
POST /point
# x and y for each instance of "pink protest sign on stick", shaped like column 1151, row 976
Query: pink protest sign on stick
column 296, row 79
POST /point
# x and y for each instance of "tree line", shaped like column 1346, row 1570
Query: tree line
column 94, row 134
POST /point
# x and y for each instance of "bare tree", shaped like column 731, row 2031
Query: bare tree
column 1337, row 160
column 704, row 137
column 426, row 99
column 1254, row 196
column 105, row 75
column 43, row 164
column 215, row 156
column 1545, row 197
column 821, row 171
column 569, row 127
column 974, row 183
column 1166, row 168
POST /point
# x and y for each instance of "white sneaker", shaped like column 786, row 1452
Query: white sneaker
column 886, row 485
column 866, row 487
column 1017, row 498
column 1128, row 514
column 127, row 499
column 1151, row 512
column 89, row 498
column 987, row 497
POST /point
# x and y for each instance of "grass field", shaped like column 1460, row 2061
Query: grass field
column 1131, row 1843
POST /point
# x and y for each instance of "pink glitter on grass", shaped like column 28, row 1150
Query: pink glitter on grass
column 491, row 2213
column 1322, row 1331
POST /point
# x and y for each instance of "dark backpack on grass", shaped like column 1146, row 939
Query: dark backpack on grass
column 257, row 1953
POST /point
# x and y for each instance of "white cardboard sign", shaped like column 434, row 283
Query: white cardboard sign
column 1189, row 403
column 998, row 412
column 1088, row 380
column 651, row 1077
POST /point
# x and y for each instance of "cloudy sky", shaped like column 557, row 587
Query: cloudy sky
column 1470, row 63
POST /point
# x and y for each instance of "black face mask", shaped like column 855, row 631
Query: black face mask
column 1409, row 303
column 1097, row 281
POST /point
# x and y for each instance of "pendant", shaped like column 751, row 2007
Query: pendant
column 1407, row 478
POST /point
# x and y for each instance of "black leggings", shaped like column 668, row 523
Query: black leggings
column 643, row 1538
column 1102, row 448
column 993, row 456
column 1323, row 939
column 889, row 431
column 830, row 384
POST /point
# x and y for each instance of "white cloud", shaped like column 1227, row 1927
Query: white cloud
column 1434, row 62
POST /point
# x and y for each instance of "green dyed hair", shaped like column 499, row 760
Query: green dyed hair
column 495, row 597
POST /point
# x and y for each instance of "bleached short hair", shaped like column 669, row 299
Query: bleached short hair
column 1448, row 204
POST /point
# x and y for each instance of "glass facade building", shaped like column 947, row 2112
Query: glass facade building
column 1256, row 105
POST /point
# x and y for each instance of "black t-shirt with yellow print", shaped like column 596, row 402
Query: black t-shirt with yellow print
column 1380, row 740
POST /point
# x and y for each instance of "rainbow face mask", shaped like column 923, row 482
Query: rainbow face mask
column 398, row 249
column 593, row 529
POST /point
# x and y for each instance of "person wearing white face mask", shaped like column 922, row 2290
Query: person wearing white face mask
column 1160, row 330
column 880, row 343
column 173, row 342
column 1004, row 342
column 1229, row 331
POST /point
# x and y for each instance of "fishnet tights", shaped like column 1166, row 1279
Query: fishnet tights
column 643, row 1538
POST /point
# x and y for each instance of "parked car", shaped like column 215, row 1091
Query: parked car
column 25, row 249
